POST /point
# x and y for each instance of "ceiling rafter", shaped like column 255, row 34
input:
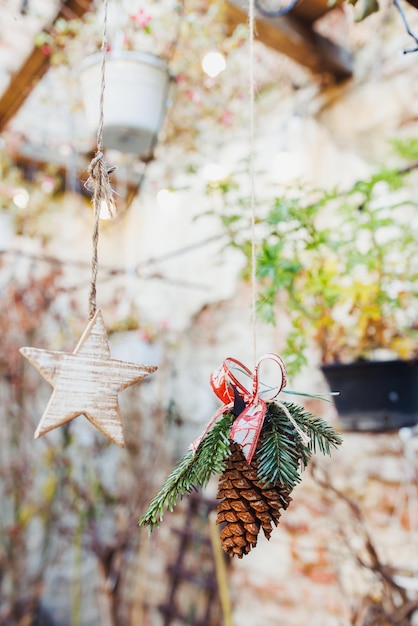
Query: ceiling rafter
column 35, row 66
column 294, row 36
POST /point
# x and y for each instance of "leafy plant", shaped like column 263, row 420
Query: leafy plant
column 342, row 265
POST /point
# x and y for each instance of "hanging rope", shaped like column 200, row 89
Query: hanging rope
column 98, row 182
column 251, row 20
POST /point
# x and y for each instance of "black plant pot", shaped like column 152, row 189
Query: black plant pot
column 375, row 395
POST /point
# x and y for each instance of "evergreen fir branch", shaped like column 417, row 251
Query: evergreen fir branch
column 213, row 450
column 278, row 457
column 192, row 471
column 282, row 455
column 179, row 482
column 323, row 436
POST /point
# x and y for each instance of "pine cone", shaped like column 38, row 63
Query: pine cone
column 246, row 504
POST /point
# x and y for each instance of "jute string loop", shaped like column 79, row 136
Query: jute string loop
column 98, row 181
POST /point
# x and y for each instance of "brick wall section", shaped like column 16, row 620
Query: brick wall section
column 306, row 574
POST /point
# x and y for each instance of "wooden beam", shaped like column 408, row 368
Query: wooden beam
column 311, row 10
column 34, row 67
column 296, row 39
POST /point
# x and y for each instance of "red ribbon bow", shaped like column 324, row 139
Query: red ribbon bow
column 229, row 388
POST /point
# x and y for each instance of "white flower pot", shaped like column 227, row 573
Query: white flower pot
column 135, row 99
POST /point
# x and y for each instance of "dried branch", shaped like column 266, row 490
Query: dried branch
column 407, row 27
column 394, row 607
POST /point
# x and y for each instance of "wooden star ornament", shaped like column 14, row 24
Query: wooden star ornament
column 86, row 382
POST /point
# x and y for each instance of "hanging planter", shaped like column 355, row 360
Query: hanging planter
column 135, row 99
column 375, row 395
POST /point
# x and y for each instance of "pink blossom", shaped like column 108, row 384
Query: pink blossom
column 227, row 117
column 144, row 336
column 141, row 19
column 194, row 96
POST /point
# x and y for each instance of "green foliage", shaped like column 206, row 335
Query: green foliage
column 364, row 8
column 406, row 148
column 341, row 265
column 281, row 456
column 191, row 471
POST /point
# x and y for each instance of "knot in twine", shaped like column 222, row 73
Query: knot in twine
column 249, row 405
column 99, row 185
column 98, row 181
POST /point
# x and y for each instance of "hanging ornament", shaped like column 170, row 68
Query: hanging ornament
column 258, row 446
column 87, row 381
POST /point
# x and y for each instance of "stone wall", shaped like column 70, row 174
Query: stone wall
column 309, row 573
column 188, row 288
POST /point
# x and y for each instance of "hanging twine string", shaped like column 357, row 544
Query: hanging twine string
column 251, row 21
column 98, row 182
column 303, row 436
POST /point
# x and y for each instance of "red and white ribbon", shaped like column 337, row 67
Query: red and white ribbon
column 232, row 375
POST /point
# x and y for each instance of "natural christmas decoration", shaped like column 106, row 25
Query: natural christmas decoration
column 257, row 446
column 86, row 382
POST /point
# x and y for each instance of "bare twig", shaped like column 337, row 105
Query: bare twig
column 45, row 258
column 407, row 27
column 394, row 606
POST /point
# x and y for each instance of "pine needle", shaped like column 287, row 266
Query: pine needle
column 323, row 436
column 191, row 472
column 282, row 455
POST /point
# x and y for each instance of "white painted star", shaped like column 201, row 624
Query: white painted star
column 86, row 382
